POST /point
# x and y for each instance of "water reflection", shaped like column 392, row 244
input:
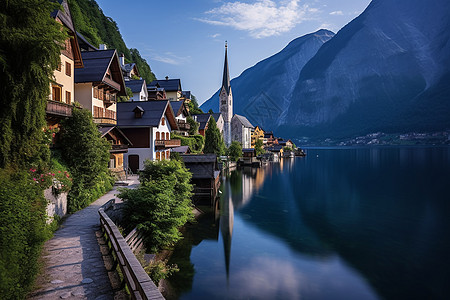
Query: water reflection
column 320, row 227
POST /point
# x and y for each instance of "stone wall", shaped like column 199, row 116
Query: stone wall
column 57, row 204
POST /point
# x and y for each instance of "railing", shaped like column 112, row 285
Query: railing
column 137, row 280
column 101, row 120
column 184, row 126
column 59, row 108
column 117, row 147
column 168, row 143
column 111, row 83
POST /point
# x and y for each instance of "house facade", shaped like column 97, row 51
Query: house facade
column 241, row 131
column 172, row 88
column 257, row 134
column 147, row 124
column 61, row 96
column 203, row 120
column 181, row 113
column 139, row 89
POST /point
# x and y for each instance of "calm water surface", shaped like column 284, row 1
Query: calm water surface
column 339, row 224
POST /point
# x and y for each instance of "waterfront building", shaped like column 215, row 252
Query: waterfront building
column 257, row 134
column 147, row 124
column 226, row 101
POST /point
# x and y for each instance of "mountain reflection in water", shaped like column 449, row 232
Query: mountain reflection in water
column 338, row 224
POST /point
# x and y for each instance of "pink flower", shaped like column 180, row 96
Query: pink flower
column 53, row 174
column 59, row 171
column 42, row 179
column 34, row 179
column 42, row 175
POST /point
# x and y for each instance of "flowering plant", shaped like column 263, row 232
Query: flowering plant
column 59, row 180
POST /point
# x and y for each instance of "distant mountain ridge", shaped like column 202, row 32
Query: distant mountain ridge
column 387, row 70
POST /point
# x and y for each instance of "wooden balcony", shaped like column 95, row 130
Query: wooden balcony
column 167, row 143
column 105, row 121
column 111, row 83
column 183, row 125
column 57, row 108
column 117, row 148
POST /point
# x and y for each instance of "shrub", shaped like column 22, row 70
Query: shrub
column 213, row 139
column 234, row 151
column 22, row 232
column 195, row 142
column 161, row 204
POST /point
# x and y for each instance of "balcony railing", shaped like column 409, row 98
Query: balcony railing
column 168, row 143
column 59, row 108
column 184, row 125
column 119, row 148
column 101, row 120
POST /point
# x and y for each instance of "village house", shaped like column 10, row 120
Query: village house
column 129, row 71
column 97, row 87
column 147, row 124
column 203, row 120
column 181, row 113
column 268, row 139
column 241, row 130
column 61, row 97
column 156, row 92
column 139, row 89
column 257, row 134
column 172, row 87
column 186, row 95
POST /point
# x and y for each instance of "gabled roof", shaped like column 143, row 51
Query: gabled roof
column 96, row 64
column 105, row 130
column 243, row 120
column 65, row 17
column 203, row 119
column 186, row 94
column 129, row 67
column 217, row 116
column 199, row 158
column 84, row 44
column 136, row 85
column 178, row 107
column 181, row 149
column 170, row 85
column 153, row 111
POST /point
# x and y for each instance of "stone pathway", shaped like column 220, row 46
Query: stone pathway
column 74, row 267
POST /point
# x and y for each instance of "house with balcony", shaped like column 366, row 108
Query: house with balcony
column 119, row 147
column 172, row 87
column 241, row 130
column 147, row 124
column 181, row 113
column 61, row 96
column 155, row 92
column 139, row 89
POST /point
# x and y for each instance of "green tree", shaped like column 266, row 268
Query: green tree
column 259, row 147
column 161, row 204
column 234, row 151
column 194, row 125
column 31, row 42
column 87, row 155
column 193, row 106
column 213, row 139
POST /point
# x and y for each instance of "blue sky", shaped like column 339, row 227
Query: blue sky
column 185, row 39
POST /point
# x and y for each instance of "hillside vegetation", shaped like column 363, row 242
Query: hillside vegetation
column 99, row 29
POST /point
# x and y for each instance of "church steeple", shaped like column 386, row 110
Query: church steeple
column 226, row 73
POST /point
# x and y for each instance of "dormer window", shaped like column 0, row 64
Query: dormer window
column 163, row 121
column 138, row 112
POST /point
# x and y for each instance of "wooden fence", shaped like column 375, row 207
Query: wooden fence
column 139, row 283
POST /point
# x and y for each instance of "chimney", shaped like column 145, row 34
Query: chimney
column 122, row 59
column 102, row 47
column 167, row 77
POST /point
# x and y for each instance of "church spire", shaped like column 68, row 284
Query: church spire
column 226, row 73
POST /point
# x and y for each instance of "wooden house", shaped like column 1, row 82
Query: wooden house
column 205, row 176
column 61, row 96
column 249, row 158
column 181, row 113
column 119, row 147
column 147, row 124
column 203, row 120
column 155, row 92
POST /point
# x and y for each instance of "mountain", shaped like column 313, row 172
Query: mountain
column 387, row 70
column 98, row 29
column 263, row 91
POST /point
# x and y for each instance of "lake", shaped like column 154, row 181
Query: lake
column 356, row 223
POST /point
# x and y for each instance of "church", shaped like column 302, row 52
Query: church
column 236, row 127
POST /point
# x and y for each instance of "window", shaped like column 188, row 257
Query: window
column 56, row 93
column 158, row 156
column 163, row 156
column 167, row 136
column 157, row 136
column 68, row 97
column 68, row 69
column 163, row 121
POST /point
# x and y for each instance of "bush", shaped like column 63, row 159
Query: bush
column 22, row 232
column 213, row 139
column 161, row 204
column 234, row 151
column 87, row 155
column 195, row 142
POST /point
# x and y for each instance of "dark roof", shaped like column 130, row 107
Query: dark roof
column 248, row 150
column 226, row 74
column 186, row 94
column 177, row 106
column 181, row 149
column 105, row 130
column 202, row 119
column 201, row 166
column 199, row 158
column 128, row 67
column 244, row 121
column 169, row 85
column 64, row 15
column 216, row 116
column 135, row 85
column 84, row 44
column 153, row 112
column 275, row 148
column 96, row 64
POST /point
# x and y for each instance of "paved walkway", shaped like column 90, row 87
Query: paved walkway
column 74, row 267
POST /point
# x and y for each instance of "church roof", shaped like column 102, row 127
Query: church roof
column 243, row 120
column 226, row 74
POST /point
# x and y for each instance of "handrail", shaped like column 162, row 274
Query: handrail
column 139, row 283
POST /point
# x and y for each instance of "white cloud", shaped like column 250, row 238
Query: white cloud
column 170, row 58
column 215, row 35
column 337, row 13
column 260, row 19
